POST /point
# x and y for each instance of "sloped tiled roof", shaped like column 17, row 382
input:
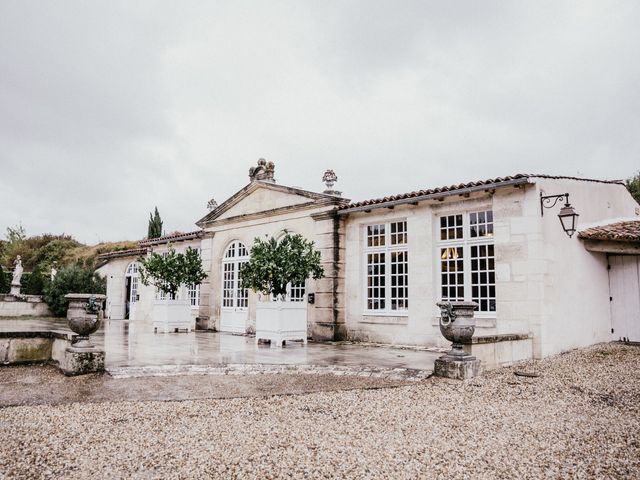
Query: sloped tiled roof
column 132, row 252
column 627, row 231
column 480, row 184
column 174, row 237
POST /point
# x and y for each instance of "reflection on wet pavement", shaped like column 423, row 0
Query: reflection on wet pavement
column 135, row 344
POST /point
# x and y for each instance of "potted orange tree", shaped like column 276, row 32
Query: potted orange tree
column 168, row 272
column 275, row 264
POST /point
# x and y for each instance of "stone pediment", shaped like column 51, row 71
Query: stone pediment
column 264, row 197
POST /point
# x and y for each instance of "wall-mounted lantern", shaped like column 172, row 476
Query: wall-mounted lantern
column 568, row 216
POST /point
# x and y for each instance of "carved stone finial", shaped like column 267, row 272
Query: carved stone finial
column 330, row 178
column 212, row 204
column 263, row 171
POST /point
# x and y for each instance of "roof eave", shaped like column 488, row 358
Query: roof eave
column 177, row 238
column 134, row 252
column 436, row 195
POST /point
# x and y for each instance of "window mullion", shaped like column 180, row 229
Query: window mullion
column 387, row 276
column 234, row 294
column 466, row 268
column 466, row 256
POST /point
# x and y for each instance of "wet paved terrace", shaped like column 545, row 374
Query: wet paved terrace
column 136, row 345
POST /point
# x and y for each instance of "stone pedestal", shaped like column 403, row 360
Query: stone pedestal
column 79, row 361
column 15, row 289
column 450, row 367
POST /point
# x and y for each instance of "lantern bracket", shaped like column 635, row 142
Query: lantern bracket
column 550, row 201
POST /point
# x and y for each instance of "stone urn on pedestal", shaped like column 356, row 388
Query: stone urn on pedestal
column 457, row 324
column 84, row 316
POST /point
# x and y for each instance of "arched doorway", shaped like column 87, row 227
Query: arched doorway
column 131, row 290
column 234, row 311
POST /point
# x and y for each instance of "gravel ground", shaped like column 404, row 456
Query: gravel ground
column 35, row 385
column 579, row 418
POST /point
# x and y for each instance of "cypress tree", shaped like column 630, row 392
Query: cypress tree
column 633, row 185
column 155, row 225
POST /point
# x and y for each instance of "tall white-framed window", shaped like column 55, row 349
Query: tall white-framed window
column 193, row 291
column 467, row 259
column 132, row 274
column 233, row 295
column 193, row 294
column 386, row 258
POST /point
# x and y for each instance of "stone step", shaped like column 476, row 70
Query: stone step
column 265, row 369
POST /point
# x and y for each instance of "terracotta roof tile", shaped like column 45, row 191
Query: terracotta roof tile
column 489, row 183
column 173, row 237
column 132, row 252
column 627, row 231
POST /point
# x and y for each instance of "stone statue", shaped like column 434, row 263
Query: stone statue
column 17, row 274
column 17, row 271
column 263, row 171
column 54, row 270
column 212, row 204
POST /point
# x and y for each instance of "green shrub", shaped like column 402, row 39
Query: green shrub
column 71, row 279
column 34, row 284
column 4, row 282
column 54, row 251
column 24, row 279
column 8, row 276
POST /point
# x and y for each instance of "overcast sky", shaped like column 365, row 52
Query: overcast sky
column 110, row 108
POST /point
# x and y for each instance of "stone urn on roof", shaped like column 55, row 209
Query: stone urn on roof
column 263, row 171
column 330, row 178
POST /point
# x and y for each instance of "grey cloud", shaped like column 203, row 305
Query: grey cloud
column 110, row 108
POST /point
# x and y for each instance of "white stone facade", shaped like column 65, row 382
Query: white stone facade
column 547, row 284
column 116, row 272
column 546, row 288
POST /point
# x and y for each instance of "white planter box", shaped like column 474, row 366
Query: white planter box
column 281, row 321
column 172, row 315
column 234, row 320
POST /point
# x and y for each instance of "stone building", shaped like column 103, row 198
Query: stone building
column 389, row 260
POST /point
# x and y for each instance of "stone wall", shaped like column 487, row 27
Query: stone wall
column 26, row 305
column 501, row 350
column 576, row 310
column 548, row 285
column 34, row 347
